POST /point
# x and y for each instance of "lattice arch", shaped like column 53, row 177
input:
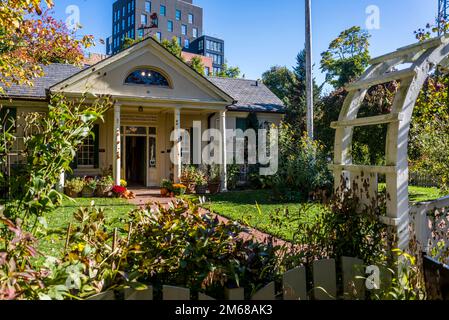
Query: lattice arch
column 421, row 59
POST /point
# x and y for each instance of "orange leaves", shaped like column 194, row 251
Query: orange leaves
column 31, row 37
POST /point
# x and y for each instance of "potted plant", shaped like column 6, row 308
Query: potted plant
column 73, row 187
column 104, row 185
column 90, row 184
column 179, row 189
column 189, row 175
column 166, row 187
column 201, row 184
column 214, row 181
column 119, row 191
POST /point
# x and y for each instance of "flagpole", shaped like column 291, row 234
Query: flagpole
column 309, row 72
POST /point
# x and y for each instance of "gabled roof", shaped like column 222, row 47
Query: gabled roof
column 53, row 74
column 59, row 87
column 250, row 95
column 247, row 95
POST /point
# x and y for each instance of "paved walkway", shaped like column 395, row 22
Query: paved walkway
column 144, row 196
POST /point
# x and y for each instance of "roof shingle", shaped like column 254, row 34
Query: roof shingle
column 54, row 73
column 249, row 95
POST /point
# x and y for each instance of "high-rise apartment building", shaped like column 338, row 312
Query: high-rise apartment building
column 163, row 19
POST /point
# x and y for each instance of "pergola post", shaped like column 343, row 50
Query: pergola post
column 177, row 146
column 423, row 57
column 117, row 165
column 224, row 157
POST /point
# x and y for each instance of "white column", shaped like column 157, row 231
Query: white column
column 177, row 146
column 224, row 171
column 61, row 183
column 117, row 165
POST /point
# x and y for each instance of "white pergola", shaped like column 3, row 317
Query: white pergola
column 419, row 60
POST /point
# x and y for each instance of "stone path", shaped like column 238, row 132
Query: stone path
column 144, row 196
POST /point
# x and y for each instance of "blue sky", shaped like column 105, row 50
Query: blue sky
column 262, row 33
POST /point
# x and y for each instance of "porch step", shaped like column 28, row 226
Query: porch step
column 385, row 78
column 368, row 121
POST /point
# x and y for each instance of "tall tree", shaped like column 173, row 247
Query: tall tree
column 30, row 37
column 280, row 81
column 347, row 57
column 229, row 72
column 197, row 64
column 172, row 46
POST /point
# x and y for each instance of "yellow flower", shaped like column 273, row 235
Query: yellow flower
column 80, row 247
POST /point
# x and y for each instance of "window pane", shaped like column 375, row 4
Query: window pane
column 148, row 6
column 162, row 11
column 152, row 152
column 170, row 26
column 190, row 18
column 178, row 15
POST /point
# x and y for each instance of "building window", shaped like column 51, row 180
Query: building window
column 143, row 19
column 186, row 43
column 195, row 32
column 170, row 26
column 184, row 30
column 159, row 36
column 207, row 71
column 129, row 7
column 190, row 18
column 140, row 33
column 178, row 15
column 180, row 41
column 147, row 77
column 118, row 14
column 86, row 153
column 132, row 5
column 200, row 45
column 147, row 6
column 163, row 10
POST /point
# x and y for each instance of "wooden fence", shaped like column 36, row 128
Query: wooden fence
column 294, row 286
column 430, row 221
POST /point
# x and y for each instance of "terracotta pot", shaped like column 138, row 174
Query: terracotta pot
column 214, row 187
column 71, row 193
column 164, row 192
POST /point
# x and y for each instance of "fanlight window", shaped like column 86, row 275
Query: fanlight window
column 147, row 77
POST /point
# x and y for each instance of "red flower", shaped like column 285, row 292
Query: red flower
column 118, row 190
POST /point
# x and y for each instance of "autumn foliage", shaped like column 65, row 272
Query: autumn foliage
column 30, row 37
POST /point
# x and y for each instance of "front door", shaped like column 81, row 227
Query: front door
column 136, row 173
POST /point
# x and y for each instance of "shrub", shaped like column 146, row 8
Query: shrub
column 345, row 228
column 179, row 246
column 167, row 184
column 118, row 191
column 303, row 165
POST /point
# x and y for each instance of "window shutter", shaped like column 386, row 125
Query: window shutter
column 96, row 132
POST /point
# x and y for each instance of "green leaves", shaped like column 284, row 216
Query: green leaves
column 347, row 57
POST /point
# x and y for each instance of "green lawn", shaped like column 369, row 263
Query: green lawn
column 258, row 210
column 421, row 194
column 59, row 220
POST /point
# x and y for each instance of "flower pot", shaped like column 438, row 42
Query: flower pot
column 88, row 192
column 214, row 187
column 71, row 193
column 164, row 192
column 102, row 190
column 201, row 189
